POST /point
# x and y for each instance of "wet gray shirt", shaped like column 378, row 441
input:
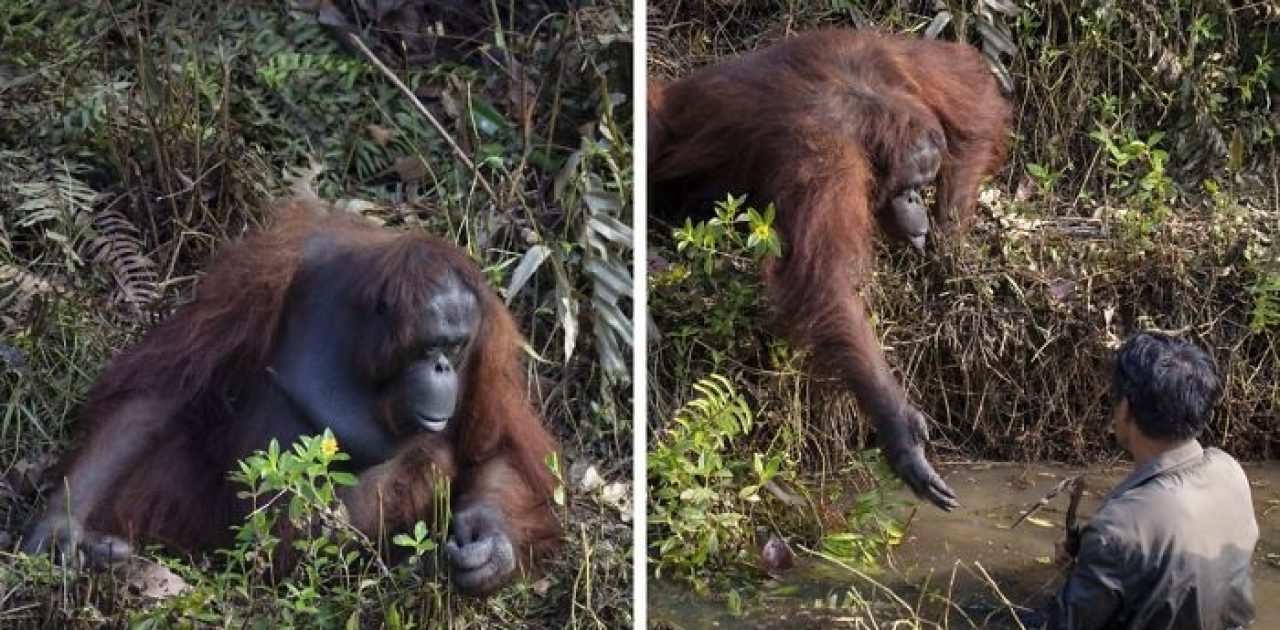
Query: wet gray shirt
column 1169, row 549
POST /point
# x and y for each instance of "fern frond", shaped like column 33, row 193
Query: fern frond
column 18, row 288
column 115, row 244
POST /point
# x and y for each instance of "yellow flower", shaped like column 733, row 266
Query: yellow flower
column 762, row 231
column 329, row 445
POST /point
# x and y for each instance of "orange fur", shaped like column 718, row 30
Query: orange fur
column 796, row 123
column 818, row 125
column 202, row 362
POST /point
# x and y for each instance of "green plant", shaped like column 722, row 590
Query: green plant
column 707, row 242
column 701, row 491
column 301, row 478
column 327, row 583
column 1265, row 264
column 705, row 471
column 1044, row 177
column 419, row 541
column 870, row 526
column 1137, row 169
column 718, row 266
column 1137, row 165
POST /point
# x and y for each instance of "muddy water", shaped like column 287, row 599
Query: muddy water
column 969, row 557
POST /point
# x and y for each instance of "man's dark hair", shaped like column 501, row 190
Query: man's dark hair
column 1171, row 385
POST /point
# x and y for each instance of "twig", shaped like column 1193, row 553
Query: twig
column 867, row 578
column 1044, row 500
column 951, row 586
column 996, row 587
column 404, row 89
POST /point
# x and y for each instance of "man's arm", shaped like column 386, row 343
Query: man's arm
column 1094, row 591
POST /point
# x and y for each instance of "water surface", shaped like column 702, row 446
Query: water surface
column 969, row 557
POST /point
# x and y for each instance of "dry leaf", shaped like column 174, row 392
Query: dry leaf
column 618, row 495
column 590, row 480
column 541, row 587
column 155, row 581
column 379, row 135
column 409, row 168
column 27, row 473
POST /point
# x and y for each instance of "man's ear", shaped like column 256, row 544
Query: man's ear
column 1125, row 411
column 1122, row 422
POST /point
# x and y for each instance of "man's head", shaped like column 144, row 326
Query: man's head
column 1165, row 386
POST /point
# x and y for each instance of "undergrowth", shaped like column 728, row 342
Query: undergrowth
column 336, row 578
column 726, row 493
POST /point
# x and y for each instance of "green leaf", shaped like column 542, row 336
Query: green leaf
column 486, row 119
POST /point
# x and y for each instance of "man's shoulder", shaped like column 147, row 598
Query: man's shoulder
column 1221, row 462
column 1219, row 473
column 1214, row 472
column 1177, row 501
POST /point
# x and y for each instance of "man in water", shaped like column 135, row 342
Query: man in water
column 1170, row 546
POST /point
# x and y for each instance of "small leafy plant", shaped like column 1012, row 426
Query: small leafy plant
column 706, row 242
column 702, row 492
column 716, row 479
column 1137, row 169
column 301, row 477
column 327, row 583
column 718, row 263
column 870, row 526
